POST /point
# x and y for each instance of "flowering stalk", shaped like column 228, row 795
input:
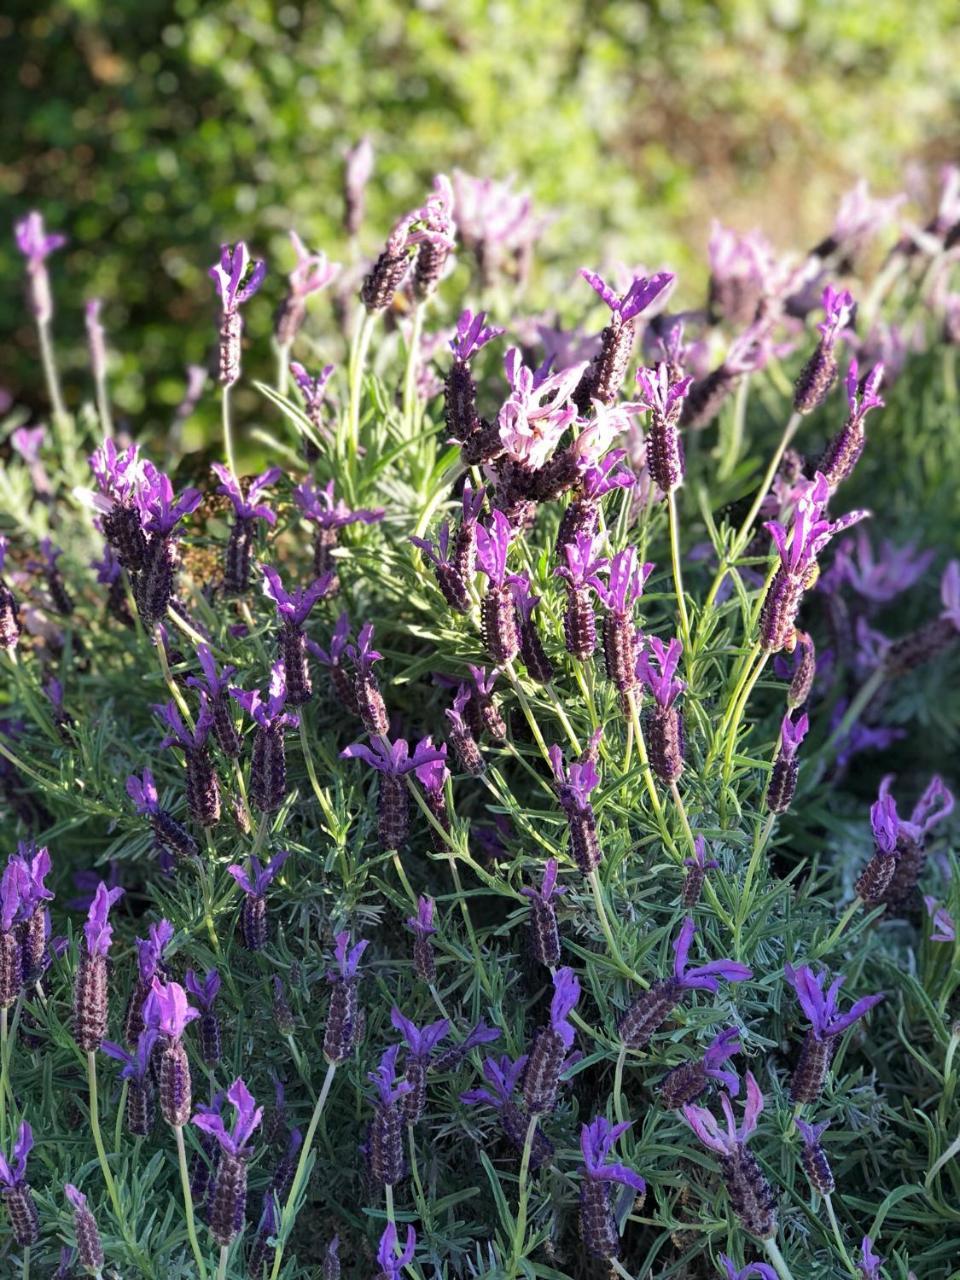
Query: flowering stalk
column 228, row 1198
column 37, row 244
column 422, row 927
column 253, row 917
column 366, row 689
column 168, row 831
column 312, row 273
column 293, row 609
column 248, row 509
column 552, row 1043
column 237, row 278
column 579, row 575
column 328, row 516
column 268, row 765
column 604, row 378
column 827, row 1023
column 477, row 439
column 89, row 1246
column 598, row 1226
column 820, row 372
column 203, row 785
column 392, row 761
column 498, row 613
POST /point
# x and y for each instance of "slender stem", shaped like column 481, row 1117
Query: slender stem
column 402, row 877
column 318, row 791
column 778, row 1260
column 618, row 959
column 861, row 700
column 618, row 1085
column 673, row 521
column 286, row 1218
column 188, row 1202
column 562, row 717
column 388, row 1198
column 415, row 1172
column 759, row 844
column 520, row 1231
column 103, row 403
column 410, row 373
column 26, row 1262
column 356, row 382
column 121, row 1110
column 742, row 677
column 734, row 726
column 168, row 679
column 841, row 925
column 283, row 367
column 620, row 1269
column 50, row 371
column 838, row 1237
column 98, row 1139
column 708, row 889
column 222, row 1266
column 228, row 431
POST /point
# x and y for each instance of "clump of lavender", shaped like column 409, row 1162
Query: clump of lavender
column 9, row 609
column 503, row 1076
column 329, row 515
column 604, row 378
column 205, row 992
column 137, row 1071
column 420, row 1045
column 149, row 956
column 820, row 372
column 479, row 440
column 16, row 1192
column 343, row 1016
column 168, row 1012
column 532, row 653
column 214, row 685
column 814, row 1159
column 652, row 1007
column 422, row 927
column 827, row 1022
column 238, row 278
column 751, row 1195
column 460, row 733
column 786, row 765
column 843, row 452
column 574, row 785
column 168, row 831
column 385, row 1142
column 247, row 509
column 89, row 1245
column 624, row 587
column 685, row 1083
column 656, row 667
column 544, row 934
column 392, row 761
column 598, row 1225
column 293, row 609
column 366, row 690
column 498, row 612
column 697, row 868
column 255, row 883
column 203, row 785
column 312, row 273
column 268, row 765
column 90, row 996
column 228, row 1196
column 579, row 575
column 541, row 1076
column 433, row 776
column 664, row 393
column 394, row 1261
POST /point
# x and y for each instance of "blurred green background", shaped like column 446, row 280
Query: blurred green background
column 150, row 131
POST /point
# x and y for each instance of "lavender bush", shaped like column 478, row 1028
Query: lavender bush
column 507, row 832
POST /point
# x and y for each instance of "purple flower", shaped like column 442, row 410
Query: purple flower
column 259, row 878
column 214, row 683
column 33, row 865
column 722, row 1047
column 393, row 758
column 313, row 389
column 433, row 773
column 422, row 923
column 167, row 1009
column 881, row 577
column 294, row 606
column 472, row 334
column 662, row 394
column 34, row 241
column 643, row 291
column 362, row 654
column 884, row 823
column 700, row 854
column 860, row 216
column 503, row 1076
column 267, row 712
column 13, row 1172
column 320, row 506
column 792, row 734
column 549, row 889
column 861, row 399
column 597, row 1140
column 348, row 958
column 421, row 1042
column 820, row 1006
column 760, row 1270
column 493, row 543
column 161, row 511
column 358, row 166
column 247, row 507
column 151, row 948
column 809, row 532
column 707, row 1128
column 566, row 993
column 136, row 1065
column 385, row 1078
column 206, row 991
column 191, row 742
column 944, row 929
column 599, row 478
column 662, row 684
column 312, row 272
column 28, row 441
column 870, row 1263
column 391, row 1262
column 9, row 896
column 926, row 813
column 237, row 278
column 247, row 1116
column 576, row 782
column 838, row 310
column 143, row 792
column 537, row 411
column 582, row 568
column 97, row 930
column 705, row 977
column 625, row 581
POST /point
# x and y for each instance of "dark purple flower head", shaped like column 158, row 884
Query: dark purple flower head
column 214, row 682
column 472, row 334
column 268, row 712
column 870, row 1262
column 34, row 241
column 493, row 543
column 582, row 567
column 549, row 888
column 661, row 683
column 884, row 823
column 169, row 713
column 348, row 958
column 566, row 993
column 934, row 805
column 707, row 1128
column 433, row 773
column 821, row 1006
column 313, row 389
column 577, row 781
column 13, row 1172
column 792, row 734
column 236, row 276
column 861, row 399
column 722, row 1047
column 700, row 856
column 143, row 792
column 502, row 1075
column 601, row 477
column 421, row 1041
column 385, row 1078
column 97, row 930
column 161, row 510
column 752, row 1271
column 259, row 878
column 422, row 923
column 312, row 272
column 248, row 506
column 247, row 1115
column 136, row 1065
column 597, row 1140
column 391, row 1262
column 642, row 292
column 392, row 758
column 660, row 394
column 294, row 606
column 809, row 532
column 205, row 990
column 151, row 948
column 625, row 581
column 839, row 310
column 705, row 977
column 320, row 506
column 167, row 1010
column 440, row 553
column 362, row 654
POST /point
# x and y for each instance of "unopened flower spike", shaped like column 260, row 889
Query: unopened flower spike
column 254, row 884
column 552, row 1043
column 174, row 837
column 237, row 277
column 366, row 689
column 293, row 608
column 90, row 994
column 598, row 1225
column 544, row 934
column 827, row 1022
column 228, row 1197
column 422, row 927
column 421, row 1044
column 603, row 379
column 498, row 618
column 248, row 509
column 432, row 775
column 697, row 868
column 16, row 1193
column 343, row 1017
column 89, row 1246
column 385, row 1144
column 813, row 1157
column 168, row 1012
column 268, row 766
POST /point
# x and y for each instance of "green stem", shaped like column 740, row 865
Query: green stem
column 618, row 1108
column 228, row 431
column 415, row 1172
column 299, row 1178
column 520, row 1230
column 103, row 403
column 402, row 877
column 121, row 1111
column 358, row 363
column 168, row 679
column 318, row 791
column 618, row 959
column 283, row 367
column 222, row 1266
column 50, row 372
column 98, row 1140
column 26, row 1263
column 620, row 1269
column 861, row 700
column 734, row 726
column 759, row 844
column 673, row 521
column 778, row 1260
column 841, row 925
column 388, row 1198
column 410, row 373
column 838, row 1237
column 188, row 1202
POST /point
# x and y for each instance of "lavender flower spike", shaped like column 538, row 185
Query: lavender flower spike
column 501, row 635
column 544, row 934
column 472, row 333
column 574, row 786
column 293, row 609
column 168, row 831
column 137, row 1071
column 228, row 1198
column 625, row 583
column 248, row 509
column 205, row 992
column 358, row 167
column 532, row 653
column 580, row 575
column 89, row 1245
column 432, row 775
column 827, row 1023
column 752, row 1271
column 203, row 786
column 254, row 885
column 422, row 927
column 312, row 273
column 343, row 1019
column 421, row 1043
column 392, row 1261
column 813, row 1157
column 664, row 393
column 15, row 1191
column 783, row 776
column 870, row 1262
column 237, row 279
column 598, row 1226
column 385, row 1144
column 819, row 373
column 268, row 767
column 685, row 1083
column 393, row 761
column 697, row 867
column 329, row 515
column 541, row 1077
column 664, row 726
column 9, row 621
column 603, row 379
column 215, row 685
column 168, row 1012
column 843, row 452
column 369, row 699
column 36, row 244
column 90, row 998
